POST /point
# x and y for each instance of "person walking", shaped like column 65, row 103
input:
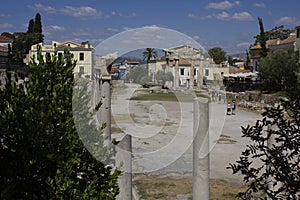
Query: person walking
column 229, row 108
column 220, row 97
column 233, row 107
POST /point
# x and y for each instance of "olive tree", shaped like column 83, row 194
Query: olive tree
column 270, row 164
column 41, row 154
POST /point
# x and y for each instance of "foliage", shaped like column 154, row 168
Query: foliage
column 262, row 39
column 8, row 35
column 138, row 75
column 22, row 41
column 41, row 154
column 217, row 54
column 148, row 54
column 247, row 60
column 278, row 32
column 230, row 60
column 162, row 76
column 272, row 167
column 278, row 71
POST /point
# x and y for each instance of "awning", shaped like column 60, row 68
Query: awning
column 241, row 75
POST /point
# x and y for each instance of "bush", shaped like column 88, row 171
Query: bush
column 272, row 169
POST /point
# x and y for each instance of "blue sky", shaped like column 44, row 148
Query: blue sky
column 227, row 24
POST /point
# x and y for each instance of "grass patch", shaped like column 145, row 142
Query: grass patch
column 155, row 187
column 170, row 96
column 281, row 94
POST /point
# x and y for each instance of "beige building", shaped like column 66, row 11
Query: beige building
column 5, row 43
column 83, row 54
column 210, row 71
column 191, row 71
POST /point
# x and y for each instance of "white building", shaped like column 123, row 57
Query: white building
column 210, row 71
column 83, row 54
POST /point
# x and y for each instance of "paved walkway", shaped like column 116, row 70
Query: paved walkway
column 162, row 134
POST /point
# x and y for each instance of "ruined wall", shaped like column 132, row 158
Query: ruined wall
column 254, row 100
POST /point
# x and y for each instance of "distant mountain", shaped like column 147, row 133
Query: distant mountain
column 138, row 54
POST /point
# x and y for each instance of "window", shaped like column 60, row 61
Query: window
column 182, row 71
column 81, row 70
column 59, row 55
column 206, row 72
column 195, row 72
column 81, row 56
column 298, row 33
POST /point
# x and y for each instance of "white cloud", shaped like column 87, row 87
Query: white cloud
column 242, row 16
column 287, row 21
column 196, row 37
column 260, row 5
column 243, row 44
column 224, row 5
column 224, row 16
column 5, row 15
column 194, row 16
column 83, row 12
column 6, row 25
column 114, row 13
column 55, row 28
column 40, row 7
column 100, row 33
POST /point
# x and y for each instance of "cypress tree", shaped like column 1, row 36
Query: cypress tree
column 38, row 28
column 31, row 26
column 38, row 23
column 262, row 38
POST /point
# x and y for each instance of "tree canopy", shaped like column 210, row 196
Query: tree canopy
column 41, row 154
column 162, row 77
column 148, row 54
column 278, row 72
column 278, row 32
column 22, row 41
column 217, row 54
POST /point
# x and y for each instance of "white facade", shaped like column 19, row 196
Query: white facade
column 83, row 54
column 210, row 70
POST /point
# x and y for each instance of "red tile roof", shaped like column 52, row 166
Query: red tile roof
column 5, row 39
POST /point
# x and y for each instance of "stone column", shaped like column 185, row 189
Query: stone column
column 123, row 157
column 192, row 74
column 200, row 74
column 105, row 109
column 201, row 150
column 176, row 77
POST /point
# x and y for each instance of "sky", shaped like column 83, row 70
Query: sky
column 228, row 24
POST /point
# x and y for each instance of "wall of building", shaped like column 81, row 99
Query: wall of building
column 86, row 64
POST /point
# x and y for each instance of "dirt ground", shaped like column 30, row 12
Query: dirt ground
column 155, row 124
column 152, row 187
